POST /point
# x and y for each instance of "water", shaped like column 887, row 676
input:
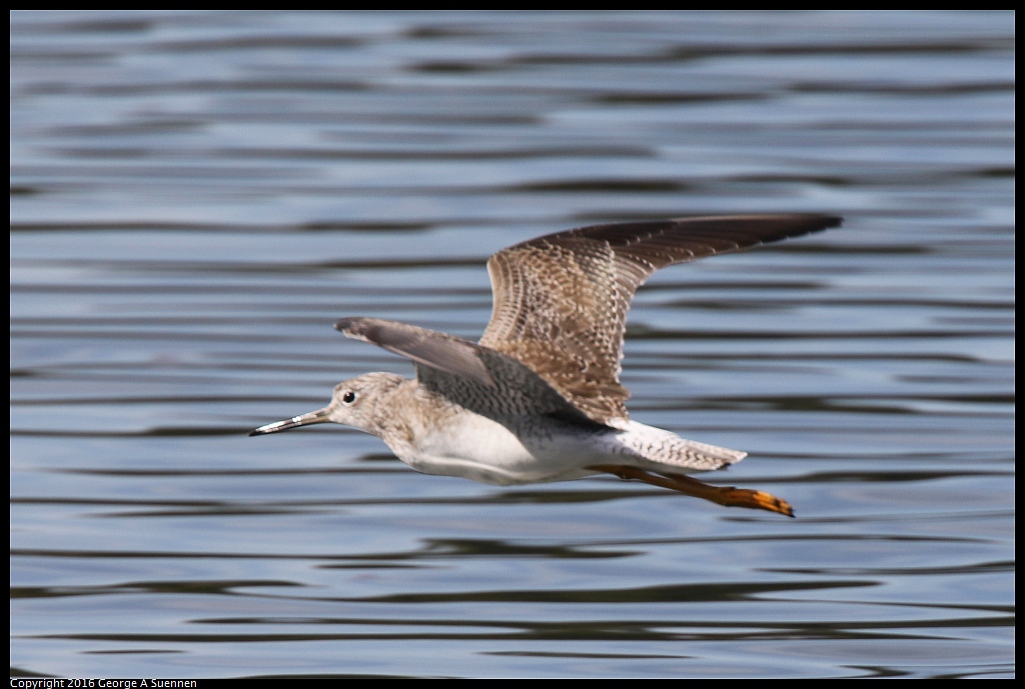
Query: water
column 197, row 197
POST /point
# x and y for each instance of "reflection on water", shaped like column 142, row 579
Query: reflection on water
column 196, row 198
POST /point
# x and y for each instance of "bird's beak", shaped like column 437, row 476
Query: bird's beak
column 319, row 416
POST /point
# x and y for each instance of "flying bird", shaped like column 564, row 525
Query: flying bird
column 538, row 398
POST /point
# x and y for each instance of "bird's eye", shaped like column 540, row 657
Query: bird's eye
column 349, row 397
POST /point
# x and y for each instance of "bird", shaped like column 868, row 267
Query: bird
column 538, row 398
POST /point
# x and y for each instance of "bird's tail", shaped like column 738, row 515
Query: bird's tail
column 670, row 451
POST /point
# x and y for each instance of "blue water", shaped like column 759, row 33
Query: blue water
column 197, row 197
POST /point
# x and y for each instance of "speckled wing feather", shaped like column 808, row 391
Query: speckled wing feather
column 560, row 301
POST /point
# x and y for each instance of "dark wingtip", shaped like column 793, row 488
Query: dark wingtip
column 806, row 223
column 831, row 221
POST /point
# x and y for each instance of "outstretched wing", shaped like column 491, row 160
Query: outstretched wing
column 560, row 301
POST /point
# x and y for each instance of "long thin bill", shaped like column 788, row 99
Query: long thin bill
column 319, row 416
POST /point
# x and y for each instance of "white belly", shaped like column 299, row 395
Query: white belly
column 483, row 450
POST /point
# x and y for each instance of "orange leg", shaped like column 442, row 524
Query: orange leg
column 723, row 495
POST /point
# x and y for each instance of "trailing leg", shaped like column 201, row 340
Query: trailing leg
column 722, row 495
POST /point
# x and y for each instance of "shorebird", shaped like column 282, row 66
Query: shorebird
column 538, row 398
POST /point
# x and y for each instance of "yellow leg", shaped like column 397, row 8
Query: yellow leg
column 722, row 495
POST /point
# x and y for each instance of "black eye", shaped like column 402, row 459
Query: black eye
column 349, row 397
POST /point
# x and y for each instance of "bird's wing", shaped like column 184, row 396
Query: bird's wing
column 560, row 301
column 473, row 376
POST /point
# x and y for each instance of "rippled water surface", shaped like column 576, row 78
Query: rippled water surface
column 197, row 197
